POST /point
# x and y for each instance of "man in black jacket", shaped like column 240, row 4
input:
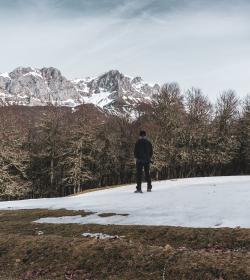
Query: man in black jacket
column 143, row 153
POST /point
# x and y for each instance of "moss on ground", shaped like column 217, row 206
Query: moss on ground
column 48, row 251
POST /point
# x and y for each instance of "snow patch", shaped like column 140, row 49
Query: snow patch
column 99, row 99
column 34, row 74
column 101, row 235
column 5, row 75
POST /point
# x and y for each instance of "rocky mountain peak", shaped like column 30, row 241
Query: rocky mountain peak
column 20, row 71
column 112, row 91
column 51, row 73
column 137, row 80
column 113, row 81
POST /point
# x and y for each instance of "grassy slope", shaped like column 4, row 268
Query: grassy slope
column 61, row 252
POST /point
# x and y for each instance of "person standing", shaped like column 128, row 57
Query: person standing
column 143, row 153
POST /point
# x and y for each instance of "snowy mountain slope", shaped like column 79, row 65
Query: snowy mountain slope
column 112, row 91
column 194, row 202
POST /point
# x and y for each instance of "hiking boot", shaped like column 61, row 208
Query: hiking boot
column 138, row 191
column 149, row 188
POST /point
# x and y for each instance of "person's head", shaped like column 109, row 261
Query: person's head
column 143, row 133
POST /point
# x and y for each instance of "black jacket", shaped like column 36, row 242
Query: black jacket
column 143, row 151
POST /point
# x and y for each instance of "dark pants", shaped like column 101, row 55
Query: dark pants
column 139, row 167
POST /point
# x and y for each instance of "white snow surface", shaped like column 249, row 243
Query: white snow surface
column 100, row 235
column 99, row 99
column 5, row 75
column 193, row 202
column 34, row 73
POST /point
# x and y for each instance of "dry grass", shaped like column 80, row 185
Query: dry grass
column 62, row 253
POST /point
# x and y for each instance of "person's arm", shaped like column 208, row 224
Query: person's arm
column 150, row 150
column 136, row 150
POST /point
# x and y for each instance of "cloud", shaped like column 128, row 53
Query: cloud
column 125, row 8
column 194, row 42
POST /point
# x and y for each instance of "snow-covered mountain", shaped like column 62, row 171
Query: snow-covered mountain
column 112, row 91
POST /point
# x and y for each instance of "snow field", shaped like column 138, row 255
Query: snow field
column 194, row 202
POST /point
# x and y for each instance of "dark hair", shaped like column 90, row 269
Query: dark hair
column 142, row 133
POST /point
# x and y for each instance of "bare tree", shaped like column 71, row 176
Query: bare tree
column 14, row 158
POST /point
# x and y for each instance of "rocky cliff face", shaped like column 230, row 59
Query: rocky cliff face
column 29, row 86
column 111, row 91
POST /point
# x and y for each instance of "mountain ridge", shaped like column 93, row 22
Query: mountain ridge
column 111, row 91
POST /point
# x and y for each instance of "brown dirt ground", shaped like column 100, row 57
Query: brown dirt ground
column 143, row 252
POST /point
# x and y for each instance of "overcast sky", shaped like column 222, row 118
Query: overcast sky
column 198, row 43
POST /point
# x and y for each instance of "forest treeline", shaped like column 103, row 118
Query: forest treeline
column 56, row 151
